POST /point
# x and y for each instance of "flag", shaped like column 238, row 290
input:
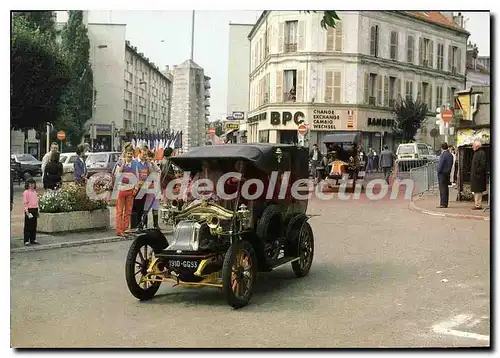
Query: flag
column 178, row 140
column 173, row 140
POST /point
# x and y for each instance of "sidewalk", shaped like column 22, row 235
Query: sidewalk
column 427, row 204
column 53, row 241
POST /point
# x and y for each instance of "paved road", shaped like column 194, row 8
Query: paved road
column 376, row 281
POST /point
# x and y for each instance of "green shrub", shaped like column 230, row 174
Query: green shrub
column 71, row 197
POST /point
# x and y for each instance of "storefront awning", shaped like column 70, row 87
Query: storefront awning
column 341, row 137
column 229, row 132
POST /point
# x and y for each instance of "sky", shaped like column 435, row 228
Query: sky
column 165, row 38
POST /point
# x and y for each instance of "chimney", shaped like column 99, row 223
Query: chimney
column 459, row 20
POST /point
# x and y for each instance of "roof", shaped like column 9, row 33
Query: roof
column 262, row 156
column 437, row 18
column 257, row 24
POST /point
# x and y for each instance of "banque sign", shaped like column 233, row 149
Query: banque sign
column 324, row 119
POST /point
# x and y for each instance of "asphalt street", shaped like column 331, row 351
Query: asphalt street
column 382, row 276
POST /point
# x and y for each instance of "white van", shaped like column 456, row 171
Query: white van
column 414, row 151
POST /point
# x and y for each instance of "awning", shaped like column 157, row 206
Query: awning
column 341, row 137
column 229, row 132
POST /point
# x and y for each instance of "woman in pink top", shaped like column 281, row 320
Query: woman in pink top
column 30, row 200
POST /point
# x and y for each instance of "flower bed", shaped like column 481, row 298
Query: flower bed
column 70, row 209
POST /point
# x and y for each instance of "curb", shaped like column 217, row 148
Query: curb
column 60, row 245
column 416, row 208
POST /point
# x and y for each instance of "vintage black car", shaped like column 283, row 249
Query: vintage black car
column 225, row 242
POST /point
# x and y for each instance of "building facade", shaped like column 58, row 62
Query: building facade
column 238, row 77
column 189, row 109
column 348, row 78
column 478, row 72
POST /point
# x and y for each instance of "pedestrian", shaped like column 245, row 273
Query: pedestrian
column 375, row 161
column 141, row 168
column 386, row 161
column 126, row 191
column 52, row 176
column 444, row 170
column 315, row 158
column 152, row 201
column 80, row 168
column 30, row 200
column 369, row 161
column 478, row 174
column 54, row 147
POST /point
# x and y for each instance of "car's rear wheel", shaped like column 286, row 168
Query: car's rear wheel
column 139, row 257
column 302, row 266
column 239, row 273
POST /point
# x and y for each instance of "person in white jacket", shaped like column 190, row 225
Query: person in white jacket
column 54, row 147
column 452, row 177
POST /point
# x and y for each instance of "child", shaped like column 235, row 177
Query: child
column 30, row 200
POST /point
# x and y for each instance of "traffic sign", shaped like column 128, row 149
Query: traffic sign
column 302, row 130
column 447, row 115
column 212, row 132
column 61, row 135
column 238, row 115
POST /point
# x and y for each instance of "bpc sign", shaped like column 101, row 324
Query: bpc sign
column 283, row 118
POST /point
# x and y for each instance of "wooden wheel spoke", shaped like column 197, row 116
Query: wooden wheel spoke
column 142, row 257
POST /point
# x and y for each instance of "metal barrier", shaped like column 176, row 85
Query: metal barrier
column 403, row 167
column 424, row 178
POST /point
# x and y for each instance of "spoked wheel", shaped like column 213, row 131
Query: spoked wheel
column 239, row 274
column 139, row 257
column 302, row 266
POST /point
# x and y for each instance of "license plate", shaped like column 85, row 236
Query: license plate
column 183, row 264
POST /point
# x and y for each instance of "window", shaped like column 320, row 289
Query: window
column 394, row 45
column 334, row 38
column 426, row 52
column 439, row 96
column 411, row 47
column 372, row 89
column 409, row 89
column 264, row 136
column 290, row 93
column 291, row 28
column 391, row 91
column 422, row 149
column 454, row 59
column 440, row 56
column 333, row 83
column 426, row 94
column 374, row 34
column 268, row 41
column 450, row 98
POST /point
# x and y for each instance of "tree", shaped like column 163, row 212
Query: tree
column 409, row 115
column 329, row 18
column 43, row 21
column 78, row 98
column 39, row 73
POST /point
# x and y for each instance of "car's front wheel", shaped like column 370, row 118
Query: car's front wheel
column 239, row 273
column 139, row 257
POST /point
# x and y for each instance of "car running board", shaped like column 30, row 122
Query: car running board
column 283, row 261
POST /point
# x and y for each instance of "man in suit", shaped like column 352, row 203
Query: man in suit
column 478, row 174
column 386, row 161
column 444, row 170
column 315, row 158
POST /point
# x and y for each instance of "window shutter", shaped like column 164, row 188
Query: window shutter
column 338, row 36
column 430, row 101
column 330, row 36
column 386, row 91
column 379, row 90
column 261, row 45
column 373, row 39
column 300, row 86
column 268, row 82
column 302, row 38
column 397, row 46
column 279, row 86
column 367, row 88
column 450, row 58
column 397, row 91
column 268, row 41
column 431, row 54
column 328, row 86
column 420, row 51
column 420, row 92
column 409, row 52
column 337, row 86
column 459, row 61
column 281, row 37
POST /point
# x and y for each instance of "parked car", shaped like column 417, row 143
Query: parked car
column 101, row 162
column 15, row 171
column 415, row 151
column 68, row 161
column 29, row 166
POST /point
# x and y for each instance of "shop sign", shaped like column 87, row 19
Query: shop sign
column 381, row 122
column 283, row 118
column 324, row 120
column 258, row 117
column 467, row 136
column 231, row 125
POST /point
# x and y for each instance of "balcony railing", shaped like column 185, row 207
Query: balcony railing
column 291, row 47
column 453, row 70
column 371, row 101
column 289, row 97
column 392, row 101
column 266, row 98
column 425, row 63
